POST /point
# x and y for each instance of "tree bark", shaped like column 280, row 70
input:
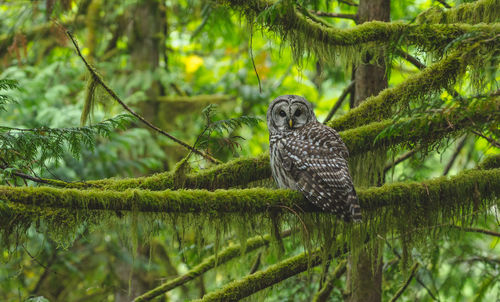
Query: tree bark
column 365, row 280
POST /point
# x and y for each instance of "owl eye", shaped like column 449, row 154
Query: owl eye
column 298, row 112
column 282, row 113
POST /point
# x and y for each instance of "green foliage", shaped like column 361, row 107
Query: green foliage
column 6, row 84
column 93, row 241
column 222, row 127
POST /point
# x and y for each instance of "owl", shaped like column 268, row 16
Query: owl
column 310, row 157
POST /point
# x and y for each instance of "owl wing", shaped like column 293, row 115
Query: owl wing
column 320, row 170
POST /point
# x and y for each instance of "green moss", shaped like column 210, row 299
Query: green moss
column 432, row 79
column 490, row 162
column 253, row 283
column 426, row 130
column 234, row 173
column 207, row 264
column 482, row 11
column 329, row 43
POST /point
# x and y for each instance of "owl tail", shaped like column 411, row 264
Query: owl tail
column 354, row 209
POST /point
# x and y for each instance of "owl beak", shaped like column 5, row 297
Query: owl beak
column 290, row 122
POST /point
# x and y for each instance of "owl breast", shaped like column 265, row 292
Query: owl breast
column 279, row 168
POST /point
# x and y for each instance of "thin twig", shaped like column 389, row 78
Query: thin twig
column 339, row 102
column 334, row 15
column 444, row 3
column 348, row 2
column 111, row 93
column 26, row 176
column 416, row 62
column 398, row 256
column 489, row 139
column 253, row 61
column 256, row 264
column 476, row 230
column 405, row 285
column 400, row 159
column 324, row 293
column 454, row 156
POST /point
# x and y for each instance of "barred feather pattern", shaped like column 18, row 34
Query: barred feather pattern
column 313, row 160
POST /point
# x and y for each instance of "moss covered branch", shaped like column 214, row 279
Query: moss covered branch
column 329, row 42
column 423, row 130
column 208, row 263
column 274, row 274
column 440, row 193
column 430, row 80
column 482, row 11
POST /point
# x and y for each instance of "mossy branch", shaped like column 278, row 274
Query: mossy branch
column 482, row 11
column 424, row 130
column 431, row 79
column 274, row 274
column 208, row 263
column 299, row 30
column 440, row 193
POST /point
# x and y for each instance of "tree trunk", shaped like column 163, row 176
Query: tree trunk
column 365, row 280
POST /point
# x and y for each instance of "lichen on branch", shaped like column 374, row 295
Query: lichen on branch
column 307, row 35
column 482, row 11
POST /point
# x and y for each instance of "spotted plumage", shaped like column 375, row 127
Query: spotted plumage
column 310, row 157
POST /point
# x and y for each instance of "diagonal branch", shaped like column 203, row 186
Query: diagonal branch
column 339, row 102
column 324, row 293
column 111, row 93
column 454, row 156
column 208, row 263
column 405, row 285
column 276, row 273
column 399, row 160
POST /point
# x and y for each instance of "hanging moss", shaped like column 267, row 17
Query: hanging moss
column 231, row 174
column 425, row 130
column 253, row 283
column 482, row 11
column 207, row 264
column 329, row 43
column 420, row 86
column 248, row 200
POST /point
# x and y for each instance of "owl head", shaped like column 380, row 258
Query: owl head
column 289, row 112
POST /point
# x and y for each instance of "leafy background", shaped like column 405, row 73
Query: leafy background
column 207, row 52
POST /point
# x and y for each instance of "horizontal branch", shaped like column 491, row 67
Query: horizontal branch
column 208, row 263
column 438, row 193
column 359, row 140
column 477, row 230
column 291, row 24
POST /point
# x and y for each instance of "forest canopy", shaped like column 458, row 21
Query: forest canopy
column 134, row 154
